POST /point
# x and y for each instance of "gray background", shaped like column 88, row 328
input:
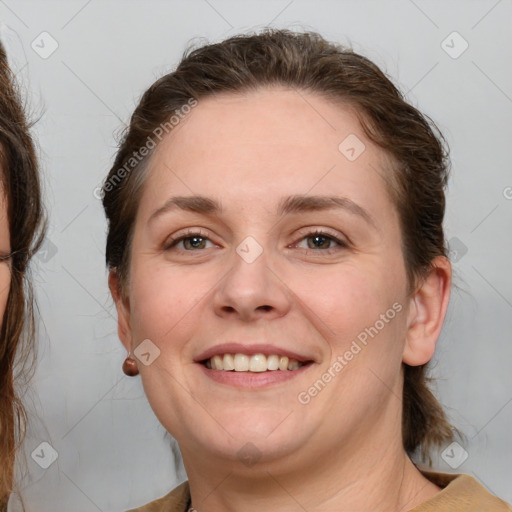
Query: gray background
column 112, row 452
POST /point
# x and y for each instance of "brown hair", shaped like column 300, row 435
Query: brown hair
column 307, row 62
column 20, row 182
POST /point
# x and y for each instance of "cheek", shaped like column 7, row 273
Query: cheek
column 163, row 298
column 363, row 307
column 347, row 297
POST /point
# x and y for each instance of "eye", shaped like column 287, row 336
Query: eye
column 321, row 241
column 192, row 240
column 5, row 257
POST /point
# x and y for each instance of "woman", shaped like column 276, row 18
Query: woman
column 20, row 236
column 278, row 265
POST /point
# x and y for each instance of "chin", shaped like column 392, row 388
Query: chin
column 257, row 437
column 248, row 451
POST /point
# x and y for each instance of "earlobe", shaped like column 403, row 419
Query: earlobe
column 426, row 313
column 123, row 310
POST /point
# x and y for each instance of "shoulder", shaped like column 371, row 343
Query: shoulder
column 176, row 501
column 460, row 492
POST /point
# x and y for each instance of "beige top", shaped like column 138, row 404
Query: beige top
column 460, row 493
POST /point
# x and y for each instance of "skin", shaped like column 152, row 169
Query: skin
column 5, row 249
column 343, row 450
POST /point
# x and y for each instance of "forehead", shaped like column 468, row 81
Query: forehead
column 265, row 144
column 267, row 117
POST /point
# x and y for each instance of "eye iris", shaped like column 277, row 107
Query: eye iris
column 316, row 238
column 195, row 241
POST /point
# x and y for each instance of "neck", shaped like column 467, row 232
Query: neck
column 386, row 481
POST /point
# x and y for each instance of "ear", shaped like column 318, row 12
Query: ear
column 123, row 311
column 427, row 310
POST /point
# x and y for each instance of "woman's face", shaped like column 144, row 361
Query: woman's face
column 5, row 249
column 254, row 278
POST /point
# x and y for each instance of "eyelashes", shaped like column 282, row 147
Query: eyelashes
column 325, row 235
column 196, row 240
column 191, row 235
column 5, row 257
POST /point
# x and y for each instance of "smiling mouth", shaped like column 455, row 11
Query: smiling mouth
column 256, row 363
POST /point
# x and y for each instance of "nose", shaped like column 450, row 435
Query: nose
column 251, row 289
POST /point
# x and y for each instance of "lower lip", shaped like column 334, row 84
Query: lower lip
column 253, row 379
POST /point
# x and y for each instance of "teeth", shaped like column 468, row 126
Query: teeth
column 293, row 365
column 258, row 363
column 255, row 363
column 273, row 362
column 217, row 363
column 241, row 363
column 228, row 362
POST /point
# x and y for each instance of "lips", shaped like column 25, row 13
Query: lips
column 252, row 366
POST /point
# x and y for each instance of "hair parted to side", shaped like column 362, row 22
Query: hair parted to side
column 307, row 62
column 19, row 177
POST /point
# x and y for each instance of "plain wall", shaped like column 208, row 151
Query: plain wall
column 112, row 452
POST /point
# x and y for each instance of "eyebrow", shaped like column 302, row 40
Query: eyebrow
column 292, row 204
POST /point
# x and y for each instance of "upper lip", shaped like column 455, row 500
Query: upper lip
column 250, row 349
